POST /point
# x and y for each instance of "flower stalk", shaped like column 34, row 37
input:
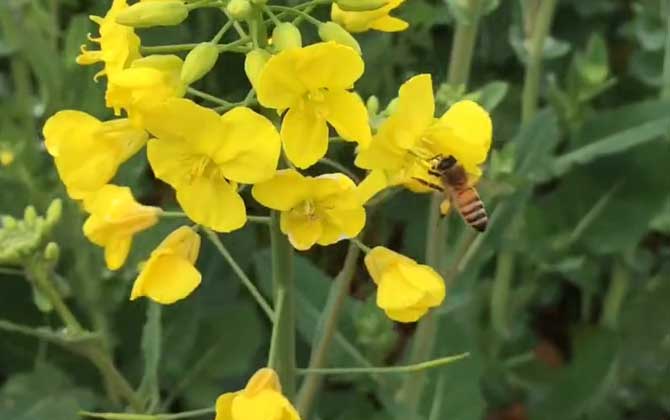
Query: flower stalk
column 424, row 340
column 282, row 353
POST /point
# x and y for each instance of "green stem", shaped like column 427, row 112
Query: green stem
column 416, row 367
column 338, row 166
column 235, row 46
column 540, row 31
column 222, row 32
column 366, row 249
column 283, row 357
column 11, row 271
column 300, row 13
column 125, row 416
column 505, row 262
column 424, row 339
column 39, row 275
column 207, row 96
column 500, row 293
column 615, row 295
column 326, row 330
column 265, row 306
column 665, row 92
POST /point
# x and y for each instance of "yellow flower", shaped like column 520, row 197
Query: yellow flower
column 119, row 45
column 147, row 83
column 115, row 218
column 6, row 157
column 313, row 84
column 170, row 275
column 411, row 136
column 261, row 399
column 321, row 210
column 203, row 156
column 378, row 19
column 88, row 152
column 406, row 289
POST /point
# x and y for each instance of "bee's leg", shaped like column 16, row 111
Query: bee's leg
column 434, row 173
column 429, row 184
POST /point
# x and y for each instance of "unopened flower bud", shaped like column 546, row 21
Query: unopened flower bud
column 360, row 5
column 54, row 211
column 52, row 252
column 372, row 105
column 154, row 13
column 286, row 36
column 8, row 222
column 239, row 9
column 30, row 215
column 199, row 62
column 254, row 64
column 331, row 31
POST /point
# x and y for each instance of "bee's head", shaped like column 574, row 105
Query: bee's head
column 446, row 163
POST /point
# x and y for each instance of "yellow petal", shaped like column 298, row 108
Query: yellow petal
column 305, row 136
column 183, row 241
column 213, row 203
column 266, row 405
column 278, row 86
column 182, row 119
column 169, row 159
column 166, row 278
column 424, row 278
column 283, row 192
column 224, row 406
column 302, row 231
column 329, row 65
column 68, row 126
column 381, row 154
column 254, row 63
column 472, row 128
column 380, row 259
column 263, row 379
column 373, row 183
column 250, row 148
column 414, row 113
column 411, row 314
column 341, row 224
column 349, row 116
column 389, row 24
column 117, row 251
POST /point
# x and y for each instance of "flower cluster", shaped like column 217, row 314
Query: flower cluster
column 306, row 96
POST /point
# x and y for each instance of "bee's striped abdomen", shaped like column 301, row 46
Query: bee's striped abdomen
column 471, row 208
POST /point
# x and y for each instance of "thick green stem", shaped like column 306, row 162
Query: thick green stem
column 423, row 344
column 540, row 31
column 282, row 357
column 665, row 92
column 326, row 331
column 615, row 296
column 541, row 23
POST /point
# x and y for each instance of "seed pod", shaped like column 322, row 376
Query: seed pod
column 331, row 31
column 154, row 13
column 360, row 5
column 199, row 62
column 286, row 36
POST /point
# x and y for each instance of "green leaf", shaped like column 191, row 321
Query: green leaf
column 535, row 144
column 583, row 382
column 616, row 143
column 151, row 350
column 45, row 393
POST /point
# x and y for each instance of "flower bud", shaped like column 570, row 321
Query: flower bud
column 154, row 13
column 254, row 63
column 286, row 36
column 9, row 222
column 199, row 62
column 54, row 212
column 331, row 31
column 373, row 105
column 360, row 5
column 30, row 215
column 6, row 157
column 239, row 9
column 52, row 252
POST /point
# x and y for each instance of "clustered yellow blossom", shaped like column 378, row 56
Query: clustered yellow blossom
column 261, row 399
column 208, row 157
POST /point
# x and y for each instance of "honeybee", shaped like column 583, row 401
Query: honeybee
column 456, row 189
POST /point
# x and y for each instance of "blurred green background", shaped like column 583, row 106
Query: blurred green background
column 578, row 327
